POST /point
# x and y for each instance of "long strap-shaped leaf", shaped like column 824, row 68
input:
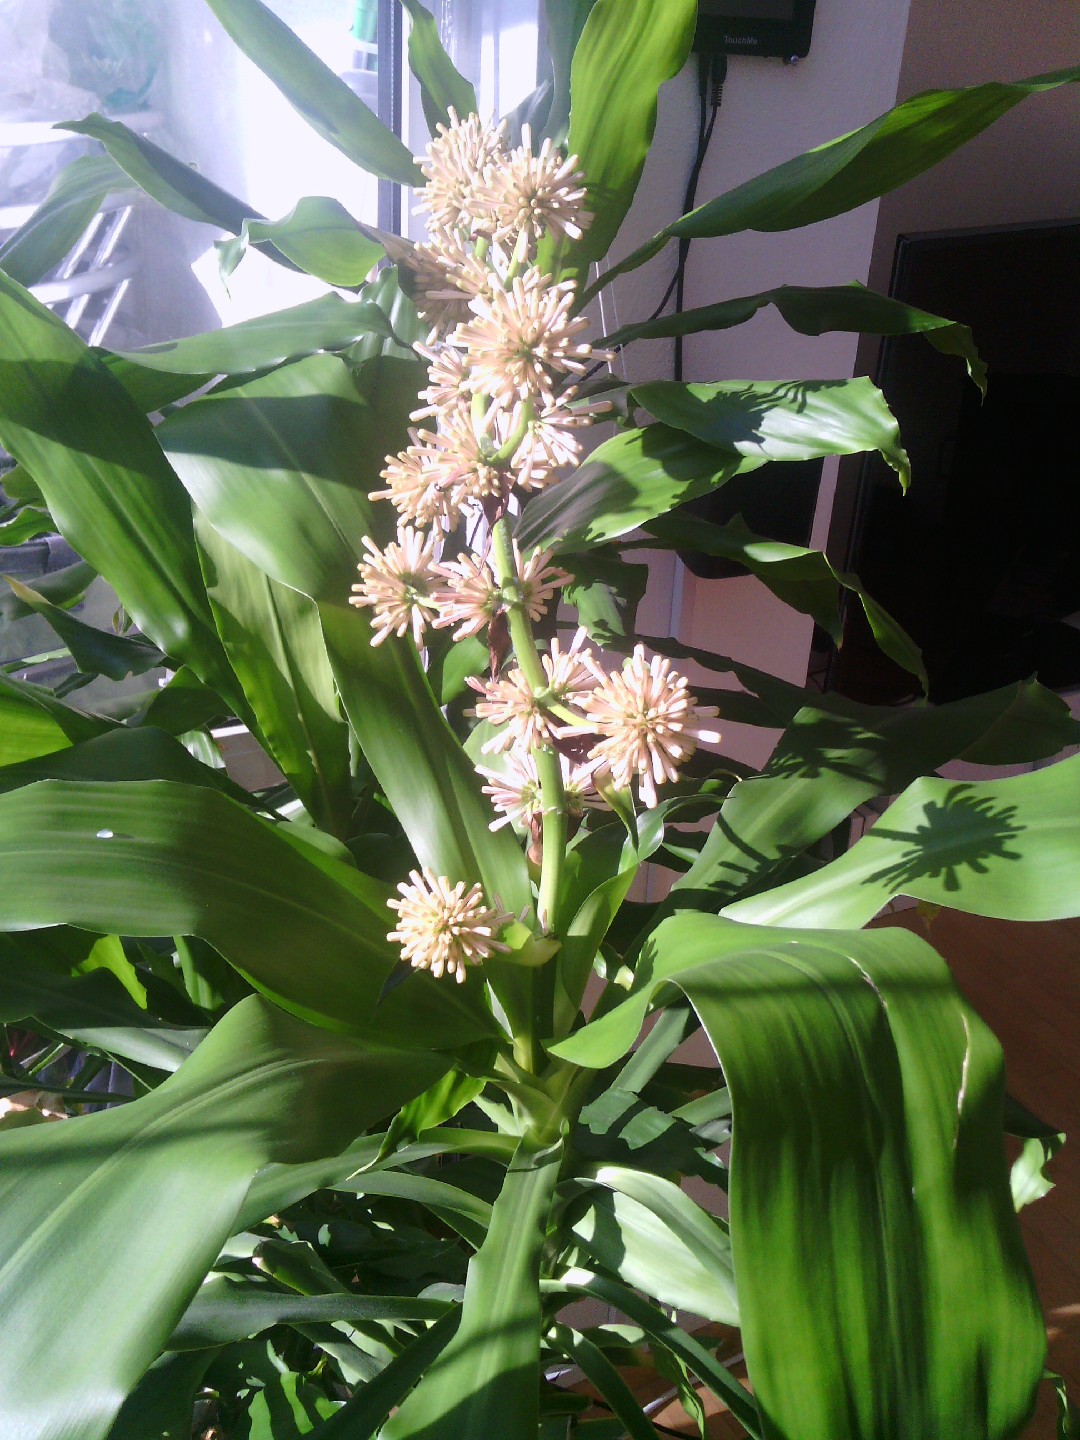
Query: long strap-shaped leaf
column 813, row 310
column 273, row 639
column 421, row 767
column 627, row 50
column 318, row 235
column 109, row 488
column 847, row 172
column 485, row 1382
column 1004, row 848
column 883, row 1289
column 74, row 198
column 707, row 434
column 281, row 466
column 802, row 578
column 315, row 92
column 834, row 758
column 442, row 86
column 159, row 374
column 90, row 1009
column 782, row 420
column 112, row 1220
column 159, row 858
column 34, row 723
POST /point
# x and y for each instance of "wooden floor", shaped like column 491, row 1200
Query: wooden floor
column 1025, row 982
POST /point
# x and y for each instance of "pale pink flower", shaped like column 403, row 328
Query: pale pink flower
column 550, row 444
column 511, row 702
column 448, row 385
column 417, row 484
column 529, row 194
column 521, row 338
column 572, row 674
column 473, row 595
column 516, row 790
column 649, row 722
column 464, row 467
column 398, row 583
column 434, row 264
column 443, row 927
column 456, row 167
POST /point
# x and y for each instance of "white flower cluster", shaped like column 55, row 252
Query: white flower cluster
column 500, row 417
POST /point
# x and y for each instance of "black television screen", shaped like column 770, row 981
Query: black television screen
column 981, row 560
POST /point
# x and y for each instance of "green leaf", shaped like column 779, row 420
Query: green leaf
column 315, row 92
column 485, row 1381
column 155, row 1186
column 64, row 587
column 782, row 420
column 802, row 578
column 867, row 1179
column 647, row 1231
column 372, row 1403
column 286, row 1405
column 836, row 755
column 28, row 524
column 95, row 652
column 93, row 1010
column 228, row 1309
column 162, row 858
column 606, row 592
column 564, row 22
column 385, row 291
column 426, row 776
column 626, row 51
column 626, row 482
column 1006, row 848
column 160, row 1407
column 273, row 638
column 33, row 723
column 318, row 235
column 280, row 467
column 164, row 178
column 665, row 1332
column 118, row 754
column 160, row 374
column 602, row 1374
column 442, row 88
column 74, row 198
column 814, row 310
column 1028, row 1180
column 847, row 172
column 105, row 480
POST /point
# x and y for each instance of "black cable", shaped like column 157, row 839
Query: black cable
column 712, row 72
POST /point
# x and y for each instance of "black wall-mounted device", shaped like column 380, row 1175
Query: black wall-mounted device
column 755, row 27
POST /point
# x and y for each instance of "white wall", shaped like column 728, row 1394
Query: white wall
column 866, row 56
column 770, row 112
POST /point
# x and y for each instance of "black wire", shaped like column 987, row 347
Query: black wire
column 712, row 73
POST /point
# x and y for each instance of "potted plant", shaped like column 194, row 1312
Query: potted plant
column 374, row 1142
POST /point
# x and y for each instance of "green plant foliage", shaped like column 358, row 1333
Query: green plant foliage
column 266, row 1169
column 324, row 100
column 263, row 1087
column 73, row 200
column 319, row 236
column 442, row 87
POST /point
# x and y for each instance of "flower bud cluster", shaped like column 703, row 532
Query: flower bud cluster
column 500, row 418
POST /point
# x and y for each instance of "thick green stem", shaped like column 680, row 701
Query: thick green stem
column 548, row 768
